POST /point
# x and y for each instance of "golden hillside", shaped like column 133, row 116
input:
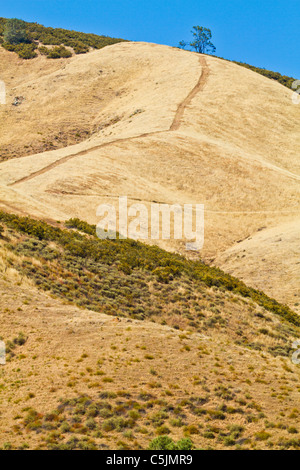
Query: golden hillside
column 160, row 124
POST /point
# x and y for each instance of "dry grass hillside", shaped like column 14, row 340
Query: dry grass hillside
column 201, row 363
column 160, row 124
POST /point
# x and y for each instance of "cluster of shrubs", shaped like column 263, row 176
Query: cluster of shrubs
column 81, row 423
column 31, row 35
column 10, row 346
column 122, row 413
column 166, row 443
column 56, row 52
column 24, row 50
column 57, row 36
column 81, row 225
column 283, row 79
column 14, row 38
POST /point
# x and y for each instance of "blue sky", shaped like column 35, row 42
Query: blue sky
column 265, row 33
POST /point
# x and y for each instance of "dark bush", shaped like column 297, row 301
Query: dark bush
column 59, row 52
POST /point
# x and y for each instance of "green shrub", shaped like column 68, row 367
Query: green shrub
column 184, row 444
column 65, row 427
column 27, row 51
column 161, row 443
column 81, row 48
column 162, row 430
column 59, row 52
column 24, row 51
column 166, row 443
column 44, row 50
column 262, row 436
column 91, row 423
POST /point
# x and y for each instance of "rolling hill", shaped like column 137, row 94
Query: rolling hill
column 124, row 345
column 206, row 131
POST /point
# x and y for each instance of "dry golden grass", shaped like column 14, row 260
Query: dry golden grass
column 155, row 124
column 72, row 352
column 203, row 131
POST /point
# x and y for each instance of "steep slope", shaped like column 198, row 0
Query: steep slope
column 278, row 250
column 173, row 127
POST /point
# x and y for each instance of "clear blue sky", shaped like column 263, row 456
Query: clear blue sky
column 265, row 33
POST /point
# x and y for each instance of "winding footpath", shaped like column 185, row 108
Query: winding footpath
column 174, row 127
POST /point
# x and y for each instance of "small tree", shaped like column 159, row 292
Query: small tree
column 15, row 31
column 201, row 40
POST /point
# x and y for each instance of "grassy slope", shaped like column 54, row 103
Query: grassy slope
column 211, row 365
column 82, row 258
column 107, row 278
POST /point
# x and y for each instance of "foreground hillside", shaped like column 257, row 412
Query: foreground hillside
column 160, row 124
column 207, row 364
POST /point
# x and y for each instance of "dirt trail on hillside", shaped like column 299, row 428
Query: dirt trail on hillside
column 199, row 87
column 62, row 160
column 167, row 125
column 174, row 127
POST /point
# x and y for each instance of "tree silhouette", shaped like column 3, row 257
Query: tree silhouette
column 201, row 40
